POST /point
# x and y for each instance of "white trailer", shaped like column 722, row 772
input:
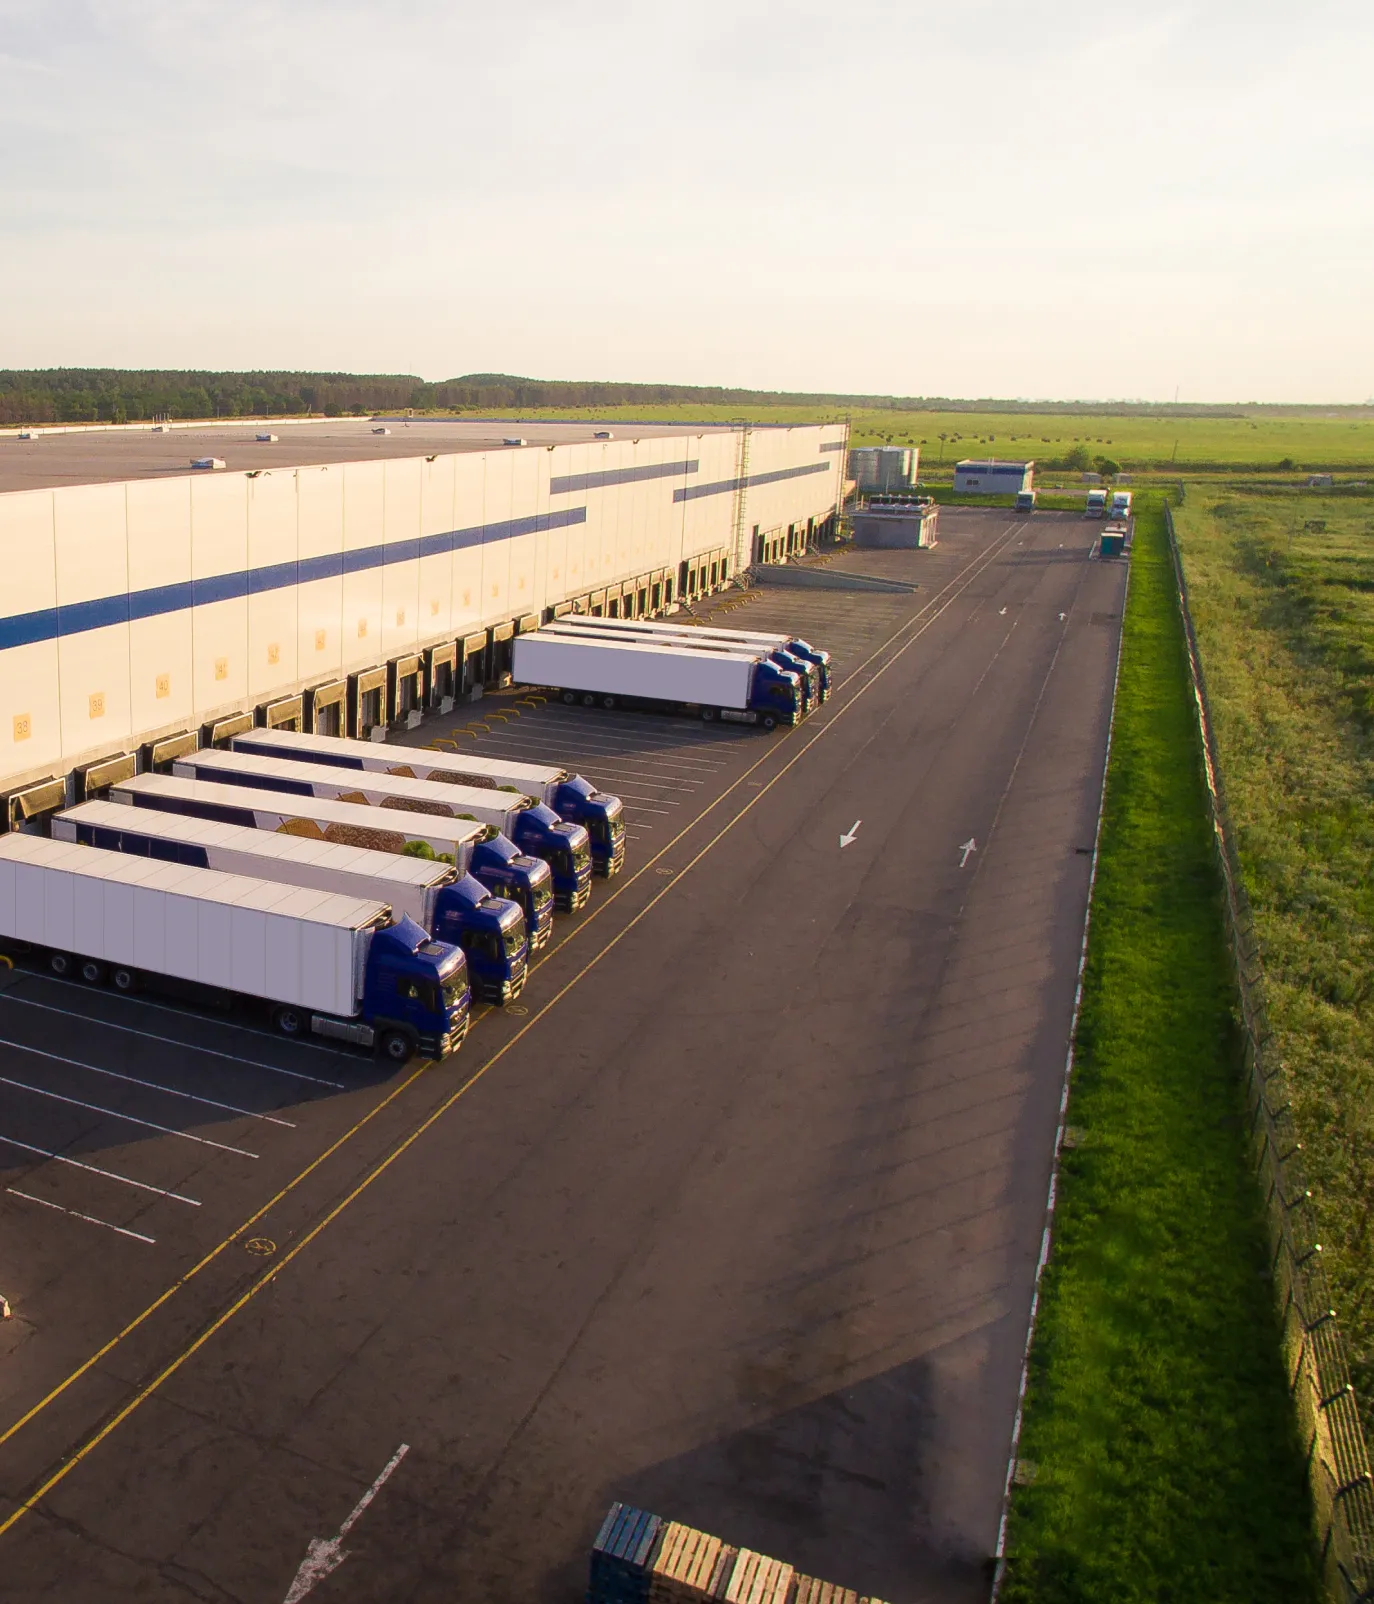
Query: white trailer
column 572, row 798
column 452, row 906
column 472, row 848
column 1097, row 504
column 1121, row 504
column 500, row 809
column 713, row 682
column 335, row 964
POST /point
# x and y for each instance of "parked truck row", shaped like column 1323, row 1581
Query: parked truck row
column 733, row 675
column 380, row 887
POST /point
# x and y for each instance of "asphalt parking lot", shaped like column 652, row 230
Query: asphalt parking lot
column 736, row 1217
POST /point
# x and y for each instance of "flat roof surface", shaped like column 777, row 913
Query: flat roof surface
column 109, row 456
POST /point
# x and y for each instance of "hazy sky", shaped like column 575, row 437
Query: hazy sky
column 991, row 198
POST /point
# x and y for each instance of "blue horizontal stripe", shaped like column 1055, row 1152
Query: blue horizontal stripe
column 562, row 484
column 78, row 618
column 754, row 480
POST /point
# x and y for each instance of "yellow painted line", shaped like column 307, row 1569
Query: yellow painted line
column 69, row 1464
column 209, row 1258
column 8, row 962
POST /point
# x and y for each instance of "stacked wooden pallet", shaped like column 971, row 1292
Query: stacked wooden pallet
column 639, row 1559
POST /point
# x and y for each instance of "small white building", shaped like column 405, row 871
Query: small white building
column 896, row 525
column 994, row 478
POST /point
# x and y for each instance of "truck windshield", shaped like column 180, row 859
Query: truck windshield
column 582, row 857
column 543, row 895
column 454, row 986
column 514, row 941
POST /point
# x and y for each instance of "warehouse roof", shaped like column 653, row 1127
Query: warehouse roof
column 104, row 456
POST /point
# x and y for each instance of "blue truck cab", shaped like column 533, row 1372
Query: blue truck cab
column 491, row 932
column 775, row 695
column 808, row 677
column 508, row 872
column 577, row 801
column 566, row 848
column 415, row 993
column 816, row 656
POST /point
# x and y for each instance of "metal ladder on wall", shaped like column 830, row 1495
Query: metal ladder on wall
column 742, row 554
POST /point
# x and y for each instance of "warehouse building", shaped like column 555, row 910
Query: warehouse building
column 993, row 478
column 344, row 575
column 884, row 468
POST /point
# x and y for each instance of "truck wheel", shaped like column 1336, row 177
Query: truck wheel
column 92, row 973
column 589, row 701
column 708, row 715
column 125, row 980
column 569, row 697
column 289, row 1021
column 608, row 702
column 397, row 1047
column 769, row 721
column 61, row 963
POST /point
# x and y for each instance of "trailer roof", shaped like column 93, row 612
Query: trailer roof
column 364, row 779
column 536, row 774
column 207, row 885
column 326, row 810
column 330, row 855
column 687, row 642
column 107, row 456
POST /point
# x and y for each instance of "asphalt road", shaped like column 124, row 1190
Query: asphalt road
column 737, row 1220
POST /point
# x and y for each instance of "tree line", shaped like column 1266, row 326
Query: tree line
column 122, row 395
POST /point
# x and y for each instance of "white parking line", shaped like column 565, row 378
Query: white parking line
column 691, row 765
column 639, row 807
column 113, row 1113
column 172, row 1041
column 90, row 1219
column 94, row 1169
column 646, row 749
column 148, row 1085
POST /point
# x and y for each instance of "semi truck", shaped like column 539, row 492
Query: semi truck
column 572, row 798
column 453, row 908
column 1025, row 501
column 673, row 629
column 591, row 669
column 338, row 966
column 1121, row 504
column 808, row 675
column 1097, row 504
column 471, row 848
column 534, row 828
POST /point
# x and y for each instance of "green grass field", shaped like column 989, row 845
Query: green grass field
column 1285, row 621
column 1157, row 1414
column 1341, row 440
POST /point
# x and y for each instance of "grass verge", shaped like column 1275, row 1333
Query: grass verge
column 1284, row 609
column 1157, row 1414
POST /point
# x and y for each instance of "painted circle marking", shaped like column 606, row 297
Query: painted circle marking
column 516, row 1008
column 261, row 1246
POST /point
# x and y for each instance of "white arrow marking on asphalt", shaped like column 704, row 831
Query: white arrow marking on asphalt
column 1062, row 617
column 326, row 1554
column 969, row 846
column 1001, row 612
column 845, row 840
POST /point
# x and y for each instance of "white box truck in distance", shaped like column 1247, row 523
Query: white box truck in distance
column 1121, row 504
column 1097, row 504
column 663, row 678
column 336, row 965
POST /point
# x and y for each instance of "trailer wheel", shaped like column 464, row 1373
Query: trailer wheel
column 289, row 1021
column 92, row 972
column 569, row 697
column 397, row 1047
column 608, row 702
column 589, row 700
column 709, row 715
column 125, row 980
column 769, row 721
column 61, row 963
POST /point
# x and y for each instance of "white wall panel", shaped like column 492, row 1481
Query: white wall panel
column 400, row 582
column 93, row 664
column 364, row 504
column 496, row 553
column 273, row 626
column 30, row 723
column 436, row 571
column 319, row 535
column 219, row 550
column 469, row 501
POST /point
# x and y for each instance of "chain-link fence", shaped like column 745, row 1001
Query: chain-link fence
column 1319, row 1376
